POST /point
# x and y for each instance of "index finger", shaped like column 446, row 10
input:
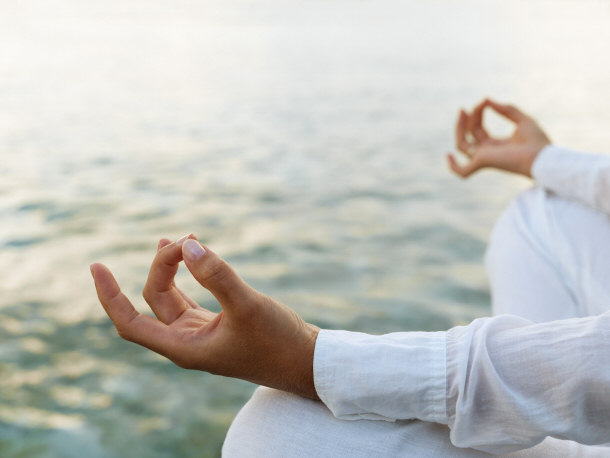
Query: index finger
column 475, row 122
column 165, row 265
column 508, row 111
column 160, row 291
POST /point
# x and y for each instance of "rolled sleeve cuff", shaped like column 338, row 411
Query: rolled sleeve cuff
column 543, row 163
column 552, row 164
column 584, row 177
column 390, row 377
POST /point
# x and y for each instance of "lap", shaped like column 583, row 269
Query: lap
column 278, row 424
column 275, row 424
column 547, row 259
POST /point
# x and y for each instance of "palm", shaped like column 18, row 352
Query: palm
column 188, row 323
column 192, row 322
column 513, row 154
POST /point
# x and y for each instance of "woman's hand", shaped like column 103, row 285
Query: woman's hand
column 254, row 337
column 514, row 154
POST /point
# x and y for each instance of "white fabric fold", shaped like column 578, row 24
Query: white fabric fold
column 584, row 177
column 394, row 376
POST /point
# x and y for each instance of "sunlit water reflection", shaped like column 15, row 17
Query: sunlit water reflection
column 303, row 141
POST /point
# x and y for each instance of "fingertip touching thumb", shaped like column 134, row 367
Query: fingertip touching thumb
column 192, row 250
column 211, row 271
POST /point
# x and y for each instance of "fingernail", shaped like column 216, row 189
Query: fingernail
column 192, row 250
column 91, row 269
column 182, row 239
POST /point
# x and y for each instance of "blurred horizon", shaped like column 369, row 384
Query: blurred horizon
column 304, row 141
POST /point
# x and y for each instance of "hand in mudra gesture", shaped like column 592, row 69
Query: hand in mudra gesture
column 254, row 337
column 513, row 154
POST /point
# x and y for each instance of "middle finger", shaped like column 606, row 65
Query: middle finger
column 475, row 123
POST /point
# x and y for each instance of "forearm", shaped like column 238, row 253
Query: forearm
column 501, row 384
column 393, row 376
column 511, row 383
column 583, row 177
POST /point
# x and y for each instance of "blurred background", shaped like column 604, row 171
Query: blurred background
column 303, row 140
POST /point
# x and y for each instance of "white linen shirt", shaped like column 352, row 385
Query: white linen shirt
column 501, row 384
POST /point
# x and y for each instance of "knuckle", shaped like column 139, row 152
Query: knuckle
column 127, row 328
column 124, row 333
column 180, row 363
column 184, row 362
column 216, row 272
column 146, row 294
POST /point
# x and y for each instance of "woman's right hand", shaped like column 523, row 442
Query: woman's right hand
column 254, row 337
column 514, row 154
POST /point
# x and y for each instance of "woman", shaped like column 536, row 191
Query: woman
column 499, row 385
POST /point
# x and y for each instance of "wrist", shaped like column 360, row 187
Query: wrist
column 290, row 368
column 305, row 383
column 530, row 157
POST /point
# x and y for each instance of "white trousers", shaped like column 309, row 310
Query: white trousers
column 547, row 259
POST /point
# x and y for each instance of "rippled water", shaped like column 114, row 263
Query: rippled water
column 302, row 140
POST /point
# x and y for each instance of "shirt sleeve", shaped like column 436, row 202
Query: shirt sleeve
column 584, row 177
column 501, row 384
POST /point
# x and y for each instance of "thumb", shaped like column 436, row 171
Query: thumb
column 215, row 275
